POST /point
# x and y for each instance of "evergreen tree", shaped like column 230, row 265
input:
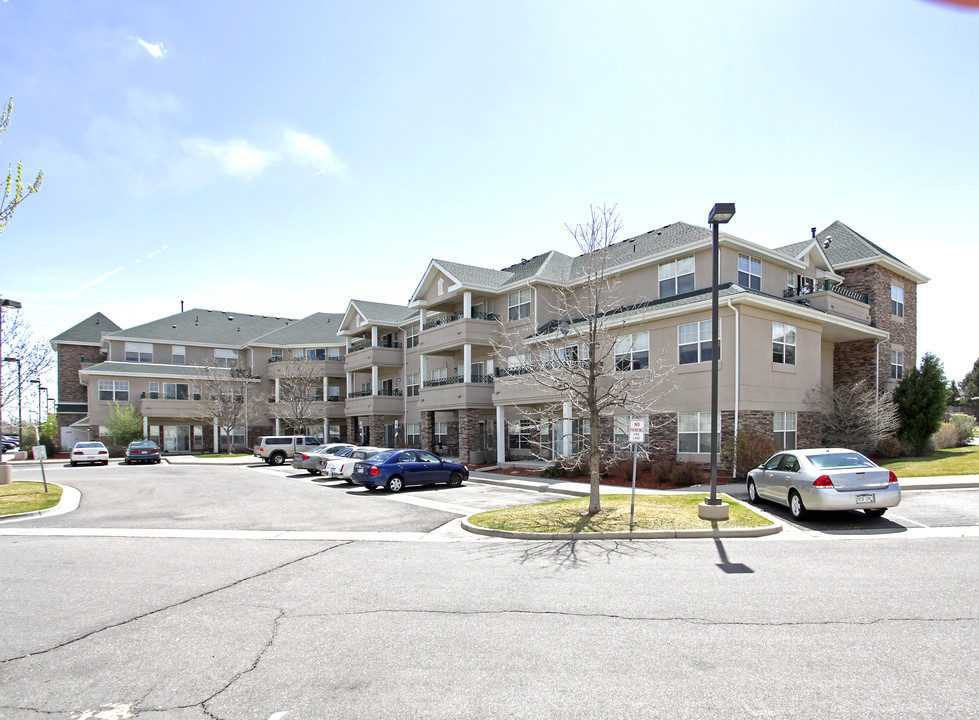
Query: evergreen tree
column 921, row 398
column 969, row 388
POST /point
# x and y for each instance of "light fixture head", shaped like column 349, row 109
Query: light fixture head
column 721, row 213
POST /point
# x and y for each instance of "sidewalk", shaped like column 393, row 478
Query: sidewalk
column 191, row 460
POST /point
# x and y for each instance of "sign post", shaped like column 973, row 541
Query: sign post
column 41, row 454
column 637, row 434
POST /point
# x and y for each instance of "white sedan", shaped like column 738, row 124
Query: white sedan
column 342, row 466
column 89, row 452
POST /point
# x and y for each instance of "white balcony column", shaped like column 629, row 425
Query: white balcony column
column 374, row 336
column 467, row 305
column 278, row 426
column 350, row 383
column 422, row 315
column 467, row 363
column 326, row 430
column 146, row 427
column 326, row 386
column 566, row 429
column 346, row 345
column 422, row 370
column 374, row 379
column 217, row 438
column 500, row 435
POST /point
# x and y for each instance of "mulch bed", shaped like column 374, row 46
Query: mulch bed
column 643, row 479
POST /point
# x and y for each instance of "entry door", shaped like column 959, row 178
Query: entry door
column 176, row 438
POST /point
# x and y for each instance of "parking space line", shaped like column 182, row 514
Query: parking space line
column 433, row 504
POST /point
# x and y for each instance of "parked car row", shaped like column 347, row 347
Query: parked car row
column 10, row 442
column 96, row 453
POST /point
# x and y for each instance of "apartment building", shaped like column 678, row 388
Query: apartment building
column 440, row 371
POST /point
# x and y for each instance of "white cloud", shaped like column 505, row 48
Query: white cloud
column 96, row 281
column 156, row 50
column 156, row 252
column 237, row 157
column 308, row 150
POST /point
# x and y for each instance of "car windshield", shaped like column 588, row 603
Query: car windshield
column 840, row 460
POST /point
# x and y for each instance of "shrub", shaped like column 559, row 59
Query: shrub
column 889, row 447
column 965, row 427
column 687, row 474
column 554, row 471
column 749, row 449
column 946, row 437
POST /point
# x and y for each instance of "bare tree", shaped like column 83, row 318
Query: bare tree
column 300, row 388
column 36, row 357
column 854, row 416
column 14, row 188
column 224, row 396
column 586, row 354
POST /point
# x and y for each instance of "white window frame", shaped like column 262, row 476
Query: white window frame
column 520, row 434
column 897, row 301
column 786, row 430
column 441, row 433
column 227, row 357
column 178, row 351
column 704, row 341
column 897, row 364
column 677, row 276
column 781, row 332
column 697, row 425
column 413, row 434
column 411, row 336
column 750, row 268
column 139, row 352
column 518, row 304
column 630, row 349
column 412, row 385
column 117, row 390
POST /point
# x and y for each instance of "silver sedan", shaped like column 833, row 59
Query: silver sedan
column 824, row 479
column 312, row 460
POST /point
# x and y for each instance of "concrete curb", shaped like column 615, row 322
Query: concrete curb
column 70, row 498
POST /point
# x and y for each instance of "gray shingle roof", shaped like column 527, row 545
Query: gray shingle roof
column 315, row 329
column 189, row 372
column 473, row 275
column 655, row 242
column 383, row 313
column 205, row 327
column 850, row 246
column 87, row 332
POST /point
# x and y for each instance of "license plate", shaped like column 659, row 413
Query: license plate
column 861, row 499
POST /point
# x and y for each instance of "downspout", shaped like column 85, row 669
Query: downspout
column 737, row 377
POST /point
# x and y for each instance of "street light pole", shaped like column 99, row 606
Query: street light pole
column 5, row 303
column 712, row 508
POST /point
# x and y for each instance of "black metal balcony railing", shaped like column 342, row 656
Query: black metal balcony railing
column 276, row 358
column 452, row 317
column 357, row 347
column 541, row 366
column 826, row 285
column 335, row 398
column 382, row 393
column 458, row 379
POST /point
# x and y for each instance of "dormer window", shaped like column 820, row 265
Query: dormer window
column 139, row 352
column 749, row 272
column 179, row 356
column 676, row 277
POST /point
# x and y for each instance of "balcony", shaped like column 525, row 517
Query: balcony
column 366, row 403
column 332, row 409
column 448, row 332
column 836, row 300
column 362, row 356
column 452, row 393
column 289, row 367
column 153, row 406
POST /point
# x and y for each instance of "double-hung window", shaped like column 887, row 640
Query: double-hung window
column 117, row 390
column 139, row 352
column 676, row 277
column 412, row 385
column 632, row 351
column 442, row 433
column 413, row 434
column 276, row 355
column 897, row 364
column 440, row 376
column 224, row 357
column 897, row 301
column 785, row 431
column 179, row 355
column 694, row 341
column 693, row 432
column 411, row 336
column 175, row 391
column 783, row 343
column 520, row 433
column 518, row 304
column 749, row 272
column 333, row 353
column 316, row 353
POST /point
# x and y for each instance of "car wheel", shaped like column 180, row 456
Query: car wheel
column 126, row 461
column 73, row 464
column 796, row 507
column 455, row 479
column 875, row 512
column 371, row 488
column 276, row 459
column 752, row 491
column 312, row 472
column 395, row 484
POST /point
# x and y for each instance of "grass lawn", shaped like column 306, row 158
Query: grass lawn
column 221, row 455
column 954, row 461
column 21, row 497
column 653, row 512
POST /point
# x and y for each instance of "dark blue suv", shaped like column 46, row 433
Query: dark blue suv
column 394, row 469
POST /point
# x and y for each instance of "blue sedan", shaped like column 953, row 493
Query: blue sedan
column 394, row 469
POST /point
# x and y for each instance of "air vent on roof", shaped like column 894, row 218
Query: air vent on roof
column 826, row 242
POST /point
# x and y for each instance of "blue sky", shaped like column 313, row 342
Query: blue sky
column 282, row 158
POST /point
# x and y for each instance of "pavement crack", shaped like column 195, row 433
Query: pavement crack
column 677, row 619
column 171, row 606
